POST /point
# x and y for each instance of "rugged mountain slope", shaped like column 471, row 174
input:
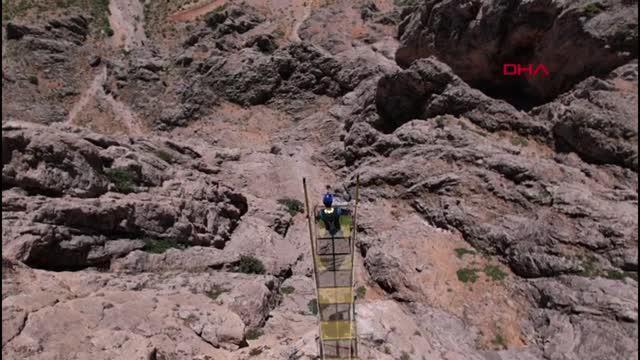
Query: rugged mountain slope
column 153, row 154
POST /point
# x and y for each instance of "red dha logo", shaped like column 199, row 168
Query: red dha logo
column 519, row 70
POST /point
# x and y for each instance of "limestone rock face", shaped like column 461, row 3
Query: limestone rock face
column 153, row 156
column 90, row 226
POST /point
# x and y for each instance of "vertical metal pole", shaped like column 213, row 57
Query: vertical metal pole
column 315, row 267
column 353, row 263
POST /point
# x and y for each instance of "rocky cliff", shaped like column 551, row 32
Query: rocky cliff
column 153, row 154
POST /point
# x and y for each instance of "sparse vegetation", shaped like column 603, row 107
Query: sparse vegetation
column 593, row 9
column 287, row 290
column 494, row 272
column 499, row 341
column 461, row 252
column 99, row 10
column 621, row 275
column 405, row 356
column 165, row 156
column 405, row 2
column 519, row 141
column 615, row 275
column 361, row 291
column 312, row 305
column 250, row 265
column 590, row 267
column 467, row 275
column 122, row 179
column 33, row 79
column 253, row 334
column 293, row 206
column 159, row 246
column 215, row 291
column 255, row 352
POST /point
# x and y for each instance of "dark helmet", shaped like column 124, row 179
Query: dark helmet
column 327, row 200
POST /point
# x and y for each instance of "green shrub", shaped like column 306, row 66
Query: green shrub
column 461, row 252
column 499, row 341
column 293, row 206
column 253, row 334
column 361, row 291
column 165, row 156
column 519, row 141
column 312, row 305
column 467, row 275
column 621, row 275
column 615, row 275
column 593, row 9
column 287, row 290
column 255, row 352
column 495, row 272
column 33, row 79
column 405, row 2
column 590, row 267
column 122, row 179
column 405, row 356
column 159, row 246
column 216, row 291
column 250, row 265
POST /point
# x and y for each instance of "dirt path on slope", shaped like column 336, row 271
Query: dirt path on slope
column 87, row 95
column 126, row 18
column 94, row 94
column 191, row 14
column 295, row 31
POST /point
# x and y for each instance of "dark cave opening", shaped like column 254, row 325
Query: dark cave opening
column 516, row 91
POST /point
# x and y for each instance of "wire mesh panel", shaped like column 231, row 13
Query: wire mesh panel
column 334, row 277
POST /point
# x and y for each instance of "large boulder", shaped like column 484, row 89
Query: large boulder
column 598, row 119
column 573, row 39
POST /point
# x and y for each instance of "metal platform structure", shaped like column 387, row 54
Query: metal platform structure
column 333, row 274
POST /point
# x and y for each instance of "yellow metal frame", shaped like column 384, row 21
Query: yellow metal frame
column 339, row 325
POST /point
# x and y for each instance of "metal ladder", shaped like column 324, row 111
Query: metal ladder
column 333, row 265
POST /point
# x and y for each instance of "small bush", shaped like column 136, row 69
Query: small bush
column 499, row 341
column 405, row 356
column 287, row 290
column 615, row 275
column 494, row 272
column 250, row 265
column 621, row 275
column 122, row 179
column 253, row 334
column 165, row 156
column 405, row 2
column 590, row 267
column 33, row 79
column 159, row 246
column 519, row 141
column 467, row 275
column 593, row 9
column 255, row 352
column 461, row 252
column 361, row 291
column 312, row 305
column 216, row 291
column 293, row 206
